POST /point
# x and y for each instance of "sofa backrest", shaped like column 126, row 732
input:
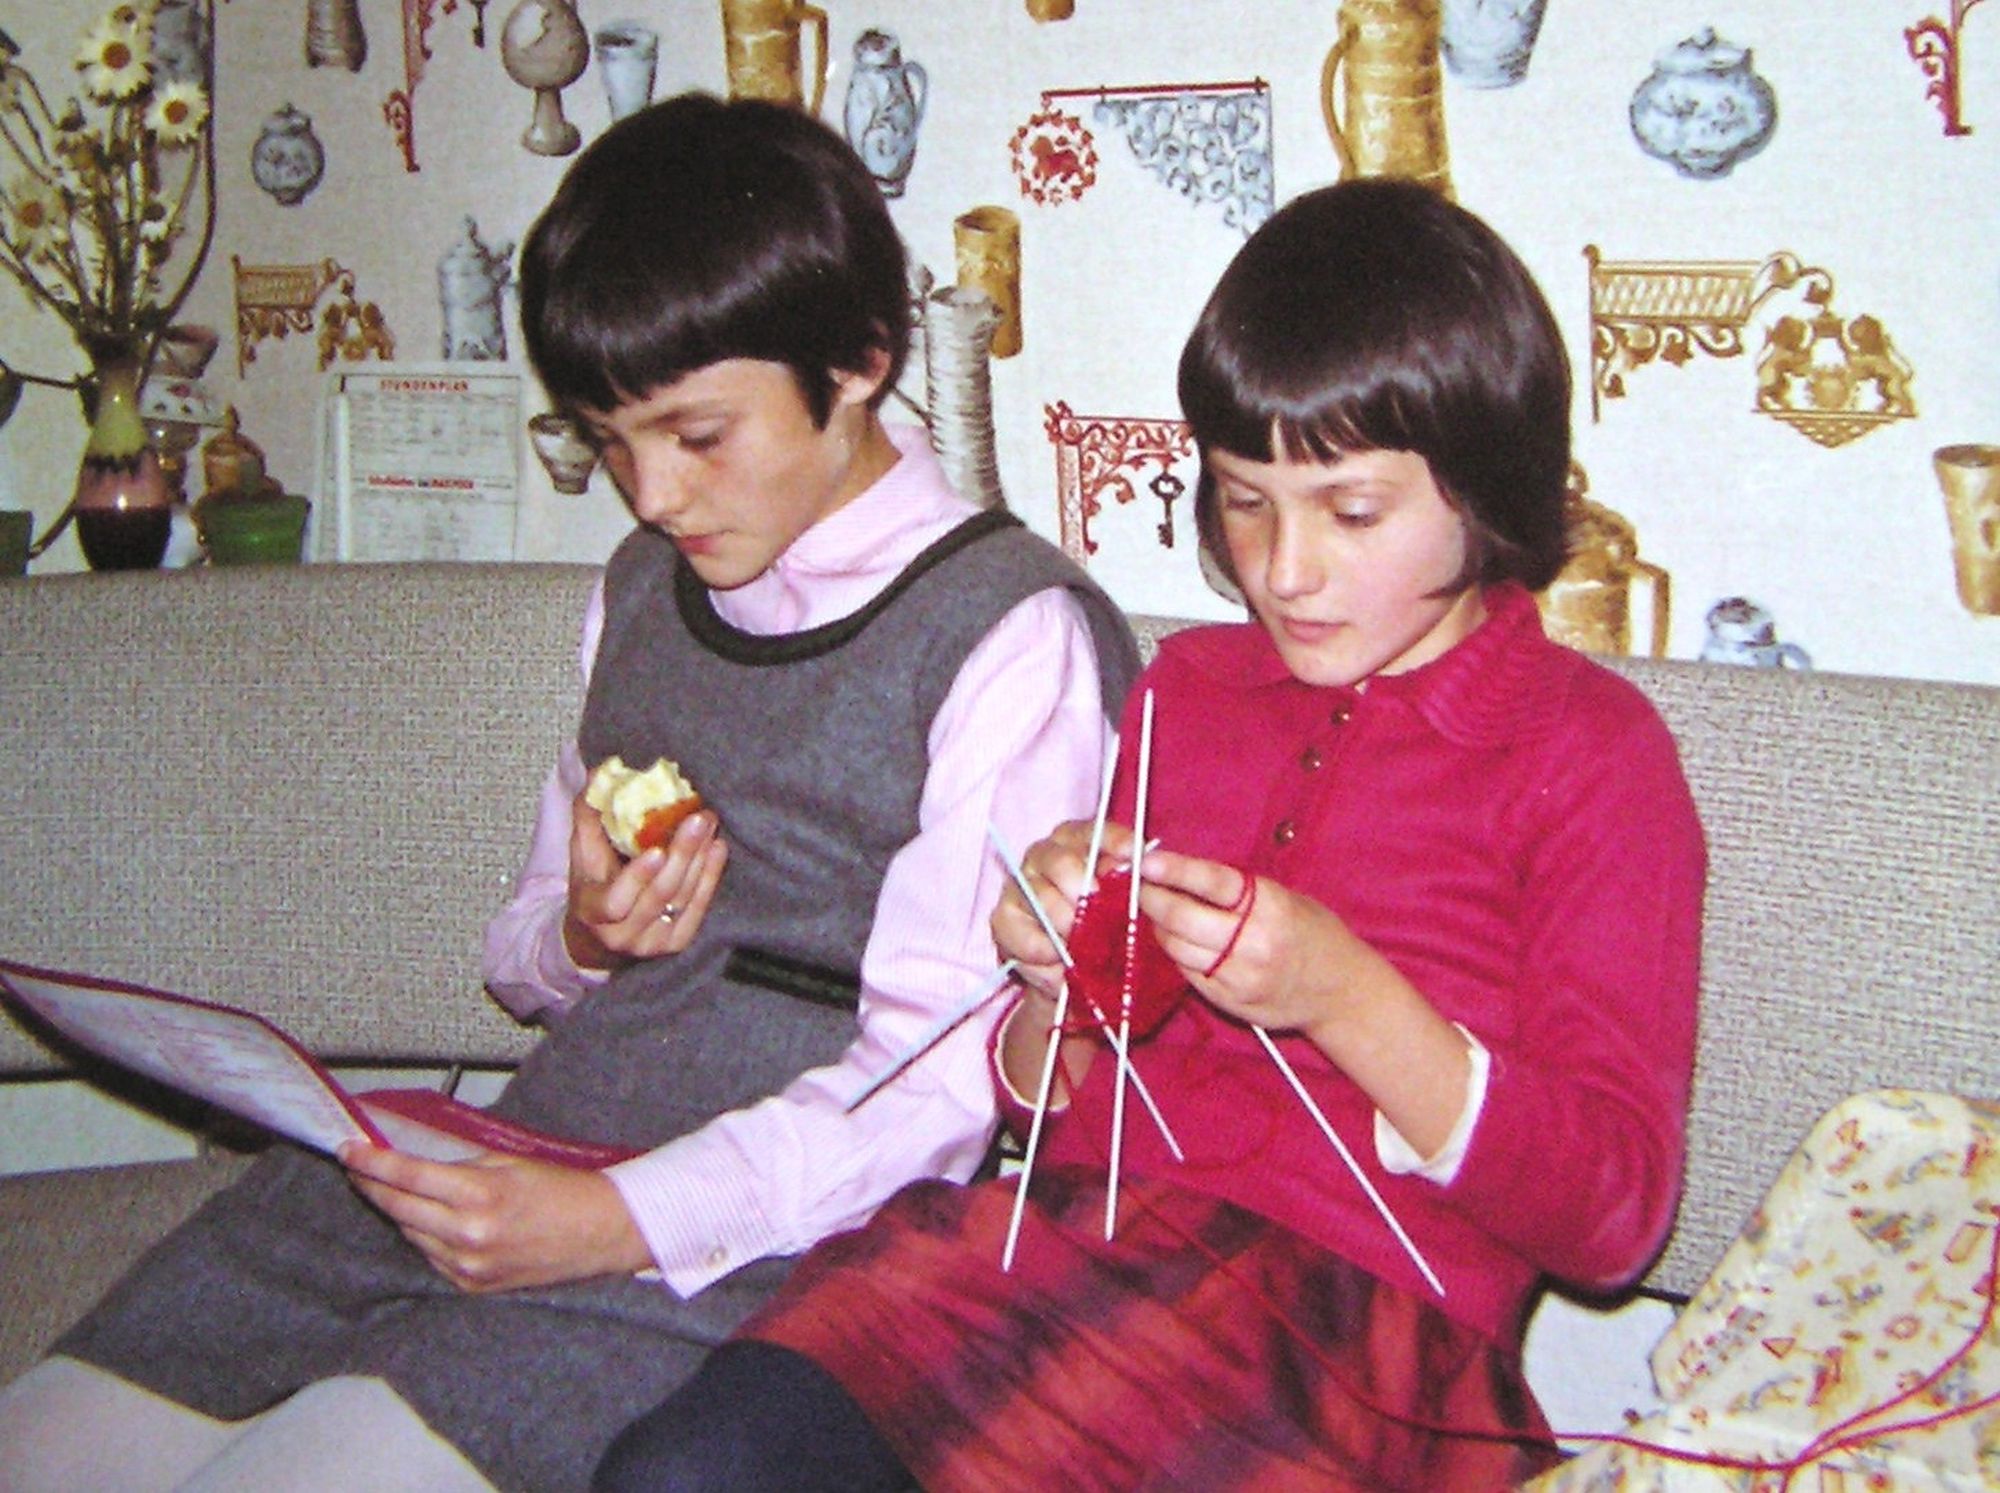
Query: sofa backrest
column 1852, row 937
column 298, row 789
column 304, row 790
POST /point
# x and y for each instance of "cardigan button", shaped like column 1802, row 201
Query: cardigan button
column 1310, row 759
column 1340, row 712
column 1285, row 833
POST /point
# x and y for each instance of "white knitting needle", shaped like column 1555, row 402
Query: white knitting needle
column 945, row 1024
column 1054, row 1045
column 1381, row 1207
column 1131, row 937
column 1013, row 865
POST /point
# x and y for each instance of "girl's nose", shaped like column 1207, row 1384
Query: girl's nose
column 658, row 490
column 1294, row 566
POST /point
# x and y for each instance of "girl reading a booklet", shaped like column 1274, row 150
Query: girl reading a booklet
column 859, row 672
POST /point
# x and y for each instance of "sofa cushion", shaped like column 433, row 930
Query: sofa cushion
column 66, row 1236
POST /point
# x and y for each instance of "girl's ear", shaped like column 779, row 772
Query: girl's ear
column 862, row 386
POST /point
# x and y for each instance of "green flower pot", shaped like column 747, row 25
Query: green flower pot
column 253, row 531
column 17, row 533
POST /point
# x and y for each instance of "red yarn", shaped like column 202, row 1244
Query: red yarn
column 1100, row 949
column 1243, row 906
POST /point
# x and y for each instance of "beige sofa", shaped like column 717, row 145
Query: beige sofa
column 304, row 790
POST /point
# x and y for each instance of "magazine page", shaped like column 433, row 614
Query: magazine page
column 238, row 1061
column 233, row 1059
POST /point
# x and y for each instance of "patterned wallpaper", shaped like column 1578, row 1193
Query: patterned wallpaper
column 1767, row 226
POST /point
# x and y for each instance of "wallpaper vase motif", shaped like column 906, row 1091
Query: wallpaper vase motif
column 886, row 97
column 1704, row 108
column 763, row 51
column 544, row 47
column 1488, row 43
column 628, row 54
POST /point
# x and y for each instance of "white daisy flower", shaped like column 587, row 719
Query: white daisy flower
column 155, row 223
column 116, row 59
column 177, row 113
column 37, row 218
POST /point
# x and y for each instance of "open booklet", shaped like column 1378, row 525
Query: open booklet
column 238, row 1061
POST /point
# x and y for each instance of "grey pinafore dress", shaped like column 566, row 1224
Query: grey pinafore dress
column 812, row 747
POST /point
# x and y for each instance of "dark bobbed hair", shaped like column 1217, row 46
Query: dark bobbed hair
column 1376, row 315
column 698, row 230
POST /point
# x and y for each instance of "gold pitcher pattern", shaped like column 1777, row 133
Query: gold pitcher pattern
column 1382, row 92
column 1970, row 477
column 1589, row 606
column 761, row 47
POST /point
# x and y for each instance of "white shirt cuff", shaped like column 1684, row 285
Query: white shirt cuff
column 1400, row 1159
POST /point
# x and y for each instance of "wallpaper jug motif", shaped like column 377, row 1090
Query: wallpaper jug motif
column 885, row 106
column 760, row 45
column 1382, row 91
column 1590, row 604
column 471, row 280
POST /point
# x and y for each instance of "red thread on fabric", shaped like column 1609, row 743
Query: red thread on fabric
column 1843, row 1436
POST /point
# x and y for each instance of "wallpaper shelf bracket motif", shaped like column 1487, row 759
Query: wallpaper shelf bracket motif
column 276, row 300
column 1209, row 142
column 1830, row 379
column 1098, row 455
column 1933, row 47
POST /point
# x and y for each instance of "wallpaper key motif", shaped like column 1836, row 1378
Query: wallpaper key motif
column 399, row 109
column 1100, row 456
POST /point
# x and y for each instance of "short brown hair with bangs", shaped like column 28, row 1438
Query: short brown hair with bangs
column 699, row 230
column 1376, row 315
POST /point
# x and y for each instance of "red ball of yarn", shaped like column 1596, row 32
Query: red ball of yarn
column 1098, row 945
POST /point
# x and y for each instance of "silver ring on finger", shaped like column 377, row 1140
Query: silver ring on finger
column 669, row 913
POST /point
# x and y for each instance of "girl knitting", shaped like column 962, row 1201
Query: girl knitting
column 1447, row 870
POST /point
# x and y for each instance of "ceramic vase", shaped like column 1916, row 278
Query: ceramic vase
column 544, row 47
column 334, row 37
column 471, row 278
column 266, row 530
column 885, row 107
column 627, row 55
column 17, row 535
column 123, row 507
column 1704, row 108
column 288, row 161
column 1488, row 43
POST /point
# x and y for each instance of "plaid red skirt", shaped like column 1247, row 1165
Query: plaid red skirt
column 1205, row 1348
